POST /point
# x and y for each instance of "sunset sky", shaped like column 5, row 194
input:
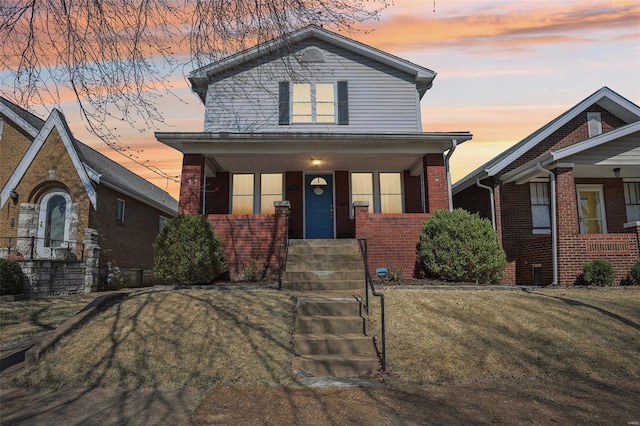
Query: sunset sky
column 505, row 68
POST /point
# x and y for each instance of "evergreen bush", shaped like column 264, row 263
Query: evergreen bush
column 460, row 246
column 598, row 273
column 635, row 273
column 11, row 277
column 188, row 251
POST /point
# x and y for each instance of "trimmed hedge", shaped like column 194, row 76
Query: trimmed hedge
column 188, row 251
column 598, row 273
column 635, row 273
column 460, row 246
column 11, row 277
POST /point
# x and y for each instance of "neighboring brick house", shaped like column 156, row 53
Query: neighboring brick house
column 589, row 157
column 314, row 122
column 53, row 188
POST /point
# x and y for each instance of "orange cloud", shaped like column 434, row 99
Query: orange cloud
column 503, row 27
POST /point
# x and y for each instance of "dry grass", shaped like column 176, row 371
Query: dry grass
column 173, row 339
column 438, row 336
column 28, row 318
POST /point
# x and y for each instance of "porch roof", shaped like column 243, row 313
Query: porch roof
column 594, row 157
column 286, row 151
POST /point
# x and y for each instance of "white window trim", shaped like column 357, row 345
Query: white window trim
column 598, row 119
column 628, row 180
column 540, row 230
column 377, row 199
column 257, row 189
column 314, row 103
column 42, row 221
column 603, row 210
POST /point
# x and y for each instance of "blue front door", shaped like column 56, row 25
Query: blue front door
column 318, row 207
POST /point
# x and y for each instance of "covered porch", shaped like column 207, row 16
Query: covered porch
column 585, row 201
column 260, row 188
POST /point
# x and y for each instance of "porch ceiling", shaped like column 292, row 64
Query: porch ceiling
column 294, row 152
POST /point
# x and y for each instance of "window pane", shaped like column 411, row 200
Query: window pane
column 302, row 109
column 390, row 193
column 56, row 215
column 242, row 194
column 270, row 191
column 324, row 92
column 541, row 216
column 633, row 213
column 325, row 109
column 362, row 188
column 301, row 92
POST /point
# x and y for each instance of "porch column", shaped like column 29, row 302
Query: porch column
column 191, row 184
column 435, row 183
column 567, row 203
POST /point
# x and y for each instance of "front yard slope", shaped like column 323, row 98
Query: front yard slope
column 173, row 339
column 456, row 336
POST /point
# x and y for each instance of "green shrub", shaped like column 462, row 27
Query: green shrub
column 256, row 271
column 187, row 251
column 11, row 277
column 635, row 273
column 460, row 246
column 599, row 273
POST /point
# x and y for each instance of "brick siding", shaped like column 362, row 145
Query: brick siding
column 392, row 239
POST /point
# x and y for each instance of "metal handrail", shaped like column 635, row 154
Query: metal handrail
column 282, row 263
column 362, row 242
column 12, row 246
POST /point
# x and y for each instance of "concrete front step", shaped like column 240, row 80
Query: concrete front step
column 331, row 344
column 325, row 275
column 337, row 242
column 322, row 306
column 330, row 325
column 296, row 257
column 336, row 365
column 312, row 264
column 354, row 285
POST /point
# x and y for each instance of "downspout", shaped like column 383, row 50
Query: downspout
column 493, row 207
column 554, row 227
column 454, row 143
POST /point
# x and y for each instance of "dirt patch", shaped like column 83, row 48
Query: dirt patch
column 536, row 402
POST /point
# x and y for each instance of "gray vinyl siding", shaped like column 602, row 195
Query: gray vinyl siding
column 381, row 99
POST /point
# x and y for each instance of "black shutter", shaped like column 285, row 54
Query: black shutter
column 343, row 102
column 283, row 103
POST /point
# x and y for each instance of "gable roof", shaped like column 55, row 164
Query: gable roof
column 630, row 133
column 199, row 78
column 90, row 164
column 605, row 97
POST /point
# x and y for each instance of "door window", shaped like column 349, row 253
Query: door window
column 591, row 210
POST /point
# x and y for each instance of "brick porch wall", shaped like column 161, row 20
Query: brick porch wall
column 576, row 250
column 531, row 252
column 248, row 238
column 392, row 239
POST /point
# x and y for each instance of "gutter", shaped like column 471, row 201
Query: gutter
column 493, row 206
column 554, row 226
column 454, row 143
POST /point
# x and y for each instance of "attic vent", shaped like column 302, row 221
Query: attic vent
column 312, row 54
column 594, row 120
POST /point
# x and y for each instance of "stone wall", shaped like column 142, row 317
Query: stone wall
column 44, row 278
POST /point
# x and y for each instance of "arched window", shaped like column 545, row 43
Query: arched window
column 53, row 222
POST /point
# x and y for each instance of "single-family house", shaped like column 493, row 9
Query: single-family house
column 58, row 195
column 300, row 129
column 567, row 194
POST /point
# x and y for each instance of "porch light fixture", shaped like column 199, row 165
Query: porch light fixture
column 315, row 162
column 14, row 196
column 616, row 172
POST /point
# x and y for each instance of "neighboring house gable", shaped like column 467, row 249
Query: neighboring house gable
column 566, row 194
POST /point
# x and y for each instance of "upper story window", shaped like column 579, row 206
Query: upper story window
column 594, row 122
column 383, row 191
column 632, row 200
column 244, row 197
column 163, row 221
column 313, row 103
column 540, row 207
column 120, row 212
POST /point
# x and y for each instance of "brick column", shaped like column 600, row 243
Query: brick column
column 435, row 183
column 567, row 204
column 282, row 209
column 360, row 212
column 191, row 184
